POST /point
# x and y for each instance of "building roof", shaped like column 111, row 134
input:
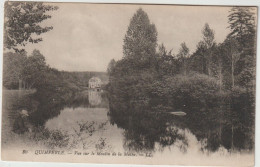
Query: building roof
column 94, row 79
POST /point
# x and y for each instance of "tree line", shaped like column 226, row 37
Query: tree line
column 149, row 74
column 215, row 85
column 22, row 25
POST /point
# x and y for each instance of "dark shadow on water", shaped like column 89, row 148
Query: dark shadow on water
column 224, row 123
column 45, row 105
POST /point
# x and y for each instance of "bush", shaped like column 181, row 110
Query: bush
column 184, row 90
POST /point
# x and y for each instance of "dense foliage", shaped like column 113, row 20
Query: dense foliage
column 216, row 83
column 145, row 74
column 22, row 23
column 21, row 71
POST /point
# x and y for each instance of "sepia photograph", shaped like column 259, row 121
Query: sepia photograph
column 143, row 84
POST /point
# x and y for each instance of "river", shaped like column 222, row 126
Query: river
column 87, row 123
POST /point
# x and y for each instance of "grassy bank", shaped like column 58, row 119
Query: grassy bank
column 11, row 104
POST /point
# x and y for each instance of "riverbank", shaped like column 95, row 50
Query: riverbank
column 12, row 101
column 39, row 137
column 40, row 109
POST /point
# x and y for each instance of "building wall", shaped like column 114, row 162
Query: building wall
column 94, row 83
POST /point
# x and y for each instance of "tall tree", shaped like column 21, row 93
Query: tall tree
column 111, row 66
column 218, row 62
column 235, row 56
column 242, row 24
column 243, row 29
column 166, row 64
column 34, row 70
column 13, row 64
column 199, row 59
column 162, row 50
column 183, row 56
column 22, row 20
column 140, row 41
column 209, row 41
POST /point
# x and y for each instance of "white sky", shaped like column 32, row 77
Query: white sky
column 85, row 37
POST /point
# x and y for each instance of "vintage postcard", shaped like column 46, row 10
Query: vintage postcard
column 129, row 84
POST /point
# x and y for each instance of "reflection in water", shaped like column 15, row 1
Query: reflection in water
column 87, row 128
column 94, row 97
column 225, row 125
column 86, row 121
column 144, row 131
column 74, row 124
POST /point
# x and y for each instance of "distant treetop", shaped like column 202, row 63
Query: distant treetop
column 141, row 36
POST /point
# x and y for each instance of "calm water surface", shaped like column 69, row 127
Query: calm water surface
column 87, row 123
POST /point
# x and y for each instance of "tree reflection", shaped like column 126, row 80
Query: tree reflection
column 94, row 97
column 228, row 123
column 144, row 130
column 45, row 105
